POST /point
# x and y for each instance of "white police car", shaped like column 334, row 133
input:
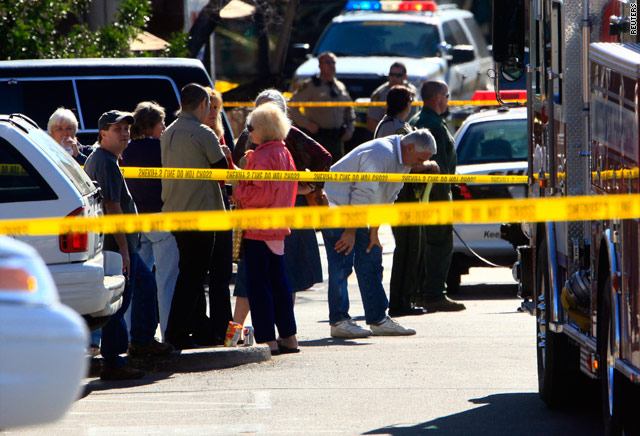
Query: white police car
column 438, row 42
column 492, row 142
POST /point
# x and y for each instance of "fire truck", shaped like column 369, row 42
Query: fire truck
column 580, row 279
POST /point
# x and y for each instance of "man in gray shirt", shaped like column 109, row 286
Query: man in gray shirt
column 140, row 291
column 360, row 247
column 188, row 143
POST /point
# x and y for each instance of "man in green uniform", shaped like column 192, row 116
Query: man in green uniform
column 438, row 243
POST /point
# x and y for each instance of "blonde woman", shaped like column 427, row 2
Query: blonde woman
column 270, row 297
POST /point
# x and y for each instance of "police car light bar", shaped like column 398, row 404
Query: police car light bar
column 391, row 6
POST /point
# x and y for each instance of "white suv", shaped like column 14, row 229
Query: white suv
column 38, row 178
column 435, row 42
column 492, row 142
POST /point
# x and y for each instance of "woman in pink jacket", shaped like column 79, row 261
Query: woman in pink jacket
column 270, row 297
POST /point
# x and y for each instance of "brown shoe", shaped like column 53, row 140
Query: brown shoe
column 153, row 348
column 125, row 372
column 441, row 304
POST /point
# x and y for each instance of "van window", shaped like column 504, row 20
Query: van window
column 37, row 98
column 19, row 181
column 124, row 93
column 63, row 160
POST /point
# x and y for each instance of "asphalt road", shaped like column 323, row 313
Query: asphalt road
column 467, row 373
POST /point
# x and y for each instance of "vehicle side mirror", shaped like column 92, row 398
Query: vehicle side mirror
column 508, row 28
column 461, row 54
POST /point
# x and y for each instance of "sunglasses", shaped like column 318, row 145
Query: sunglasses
column 398, row 75
column 249, row 128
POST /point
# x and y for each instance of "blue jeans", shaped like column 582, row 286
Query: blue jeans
column 368, row 268
column 160, row 249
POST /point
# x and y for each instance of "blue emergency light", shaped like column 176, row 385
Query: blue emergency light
column 358, row 5
column 391, row 5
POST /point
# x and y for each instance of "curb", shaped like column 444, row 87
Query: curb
column 196, row 360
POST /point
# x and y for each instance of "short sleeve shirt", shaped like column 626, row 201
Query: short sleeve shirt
column 187, row 143
column 102, row 166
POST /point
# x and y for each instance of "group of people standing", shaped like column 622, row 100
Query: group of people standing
column 168, row 270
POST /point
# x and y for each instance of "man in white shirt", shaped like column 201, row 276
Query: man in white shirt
column 360, row 247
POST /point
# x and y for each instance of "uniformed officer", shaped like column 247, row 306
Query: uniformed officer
column 438, row 242
column 397, row 76
column 330, row 126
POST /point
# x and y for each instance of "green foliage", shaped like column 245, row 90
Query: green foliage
column 31, row 30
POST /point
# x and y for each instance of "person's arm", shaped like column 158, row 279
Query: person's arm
column 302, row 95
column 319, row 158
column 373, row 239
column 243, row 143
column 347, row 241
column 113, row 208
column 349, row 120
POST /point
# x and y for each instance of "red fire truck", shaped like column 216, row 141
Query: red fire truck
column 580, row 279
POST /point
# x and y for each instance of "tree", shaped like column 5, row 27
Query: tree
column 36, row 29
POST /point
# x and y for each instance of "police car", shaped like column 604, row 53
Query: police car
column 492, row 142
column 438, row 42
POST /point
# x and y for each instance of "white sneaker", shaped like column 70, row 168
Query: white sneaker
column 390, row 327
column 349, row 329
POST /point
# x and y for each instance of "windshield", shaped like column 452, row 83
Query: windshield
column 493, row 141
column 64, row 161
column 380, row 38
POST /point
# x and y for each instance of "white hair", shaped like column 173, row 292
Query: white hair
column 59, row 116
column 422, row 140
column 273, row 96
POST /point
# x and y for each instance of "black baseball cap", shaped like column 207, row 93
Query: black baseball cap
column 113, row 117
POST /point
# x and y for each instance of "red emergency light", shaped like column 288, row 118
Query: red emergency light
column 512, row 94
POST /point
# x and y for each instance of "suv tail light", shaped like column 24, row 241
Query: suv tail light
column 464, row 192
column 74, row 242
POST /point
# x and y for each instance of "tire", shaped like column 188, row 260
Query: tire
column 614, row 391
column 557, row 379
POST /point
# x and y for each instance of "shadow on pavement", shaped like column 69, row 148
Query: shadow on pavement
column 506, row 414
column 331, row 341
column 501, row 291
column 98, row 385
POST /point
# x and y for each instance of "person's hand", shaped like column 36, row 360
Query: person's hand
column 304, row 188
column 226, row 151
column 373, row 239
column 312, row 127
column 429, row 167
column 346, row 241
column 347, row 135
column 126, row 262
column 69, row 141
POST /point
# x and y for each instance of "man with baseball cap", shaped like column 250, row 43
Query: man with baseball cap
column 102, row 166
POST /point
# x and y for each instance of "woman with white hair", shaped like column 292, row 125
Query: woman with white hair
column 302, row 255
column 270, row 297
column 62, row 127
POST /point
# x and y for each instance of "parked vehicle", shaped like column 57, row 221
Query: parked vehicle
column 90, row 87
column 38, row 178
column 42, row 342
column 492, row 142
column 580, row 279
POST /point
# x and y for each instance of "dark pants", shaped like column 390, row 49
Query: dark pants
column 195, row 250
column 437, row 260
column 140, row 292
column 270, row 297
column 220, row 273
column 407, row 271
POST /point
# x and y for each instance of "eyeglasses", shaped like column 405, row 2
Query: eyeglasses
column 249, row 128
column 398, row 75
column 446, row 95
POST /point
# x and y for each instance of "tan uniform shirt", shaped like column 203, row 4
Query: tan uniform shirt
column 324, row 117
column 380, row 94
column 187, row 143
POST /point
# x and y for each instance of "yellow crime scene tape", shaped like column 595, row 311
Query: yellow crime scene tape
column 307, row 176
column 400, row 214
column 368, row 104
